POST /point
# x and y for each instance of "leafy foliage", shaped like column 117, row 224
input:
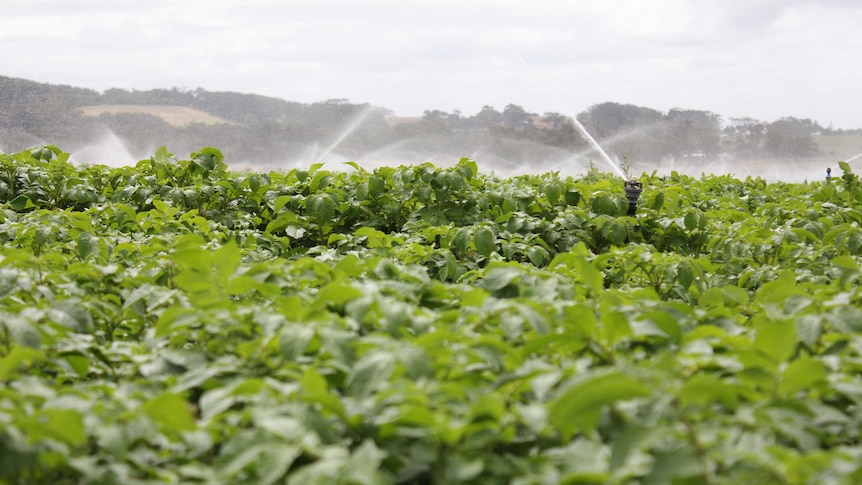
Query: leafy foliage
column 178, row 322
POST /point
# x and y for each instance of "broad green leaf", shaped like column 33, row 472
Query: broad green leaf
column 460, row 469
column 573, row 197
column 321, row 207
column 500, row 277
column 583, row 318
column 293, row 340
column 284, row 219
column 460, row 240
column 338, row 292
column 371, row 373
column 16, row 357
column 553, row 190
column 590, row 275
column 802, row 373
column 364, row 466
column 268, row 461
column 691, row 220
column 675, row 465
column 485, row 241
column 706, row 389
column 376, row 186
column 171, row 411
column 635, row 438
column 615, row 327
column 226, row 260
column 21, row 203
column 579, row 407
column 67, row 425
column 20, row 331
column 777, row 340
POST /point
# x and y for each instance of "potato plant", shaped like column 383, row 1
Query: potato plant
column 177, row 322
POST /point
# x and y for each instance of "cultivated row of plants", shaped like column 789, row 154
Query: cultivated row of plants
column 177, row 322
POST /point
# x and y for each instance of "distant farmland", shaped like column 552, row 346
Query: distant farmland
column 175, row 115
column 842, row 146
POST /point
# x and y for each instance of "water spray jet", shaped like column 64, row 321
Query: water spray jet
column 854, row 157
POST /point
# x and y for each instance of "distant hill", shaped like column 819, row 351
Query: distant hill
column 255, row 130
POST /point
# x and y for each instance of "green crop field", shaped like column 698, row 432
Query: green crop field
column 176, row 322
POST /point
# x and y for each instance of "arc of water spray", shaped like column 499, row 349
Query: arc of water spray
column 580, row 127
column 854, row 157
column 348, row 130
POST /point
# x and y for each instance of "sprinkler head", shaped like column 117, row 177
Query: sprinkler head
column 633, row 190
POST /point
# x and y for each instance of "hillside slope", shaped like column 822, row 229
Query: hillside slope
column 174, row 115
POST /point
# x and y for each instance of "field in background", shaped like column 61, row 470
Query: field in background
column 844, row 145
column 175, row 115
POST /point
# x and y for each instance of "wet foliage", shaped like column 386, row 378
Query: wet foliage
column 176, row 322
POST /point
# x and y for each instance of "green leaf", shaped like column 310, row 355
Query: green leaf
column 634, row 438
column 691, row 220
column 376, row 186
column 461, row 469
column 21, row 203
column 21, row 331
column 170, row 411
column 226, row 260
column 321, row 207
column 590, row 275
column 500, row 277
column 280, row 202
column 460, row 240
column 705, row 389
column 684, row 275
column 672, row 466
column 468, row 168
column 371, row 373
column 613, row 205
column 615, row 327
column 293, row 340
column 537, row 255
column 87, row 244
column 485, row 241
column 553, row 190
column 364, row 466
column 802, row 373
column 67, row 425
column 777, row 340
column 579, row 407
column 338, row 292
column 268, row 461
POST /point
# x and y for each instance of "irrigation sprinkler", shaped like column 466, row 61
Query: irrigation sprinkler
column 633, row 190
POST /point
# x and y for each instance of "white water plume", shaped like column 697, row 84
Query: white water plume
column 577, row 124
column 108, row 150
column 348, row 130
column 854, row 157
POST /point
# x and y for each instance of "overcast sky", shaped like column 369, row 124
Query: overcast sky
column 764, row 59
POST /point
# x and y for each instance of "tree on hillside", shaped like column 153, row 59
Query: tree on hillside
column 488, row 117
column 436, row 121
column 694, row 132
column 515, row 116
column 610, row 119
column 792, row 137
column 744, row 137
column 634, row 132
column 556, row 120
